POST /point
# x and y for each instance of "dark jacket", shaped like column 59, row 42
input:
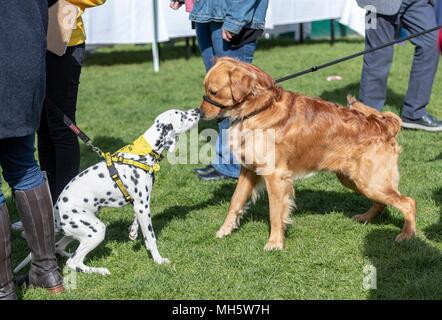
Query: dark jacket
column 235, row 14
column 23, row 26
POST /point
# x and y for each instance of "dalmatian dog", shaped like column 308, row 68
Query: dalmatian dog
column 76, row 209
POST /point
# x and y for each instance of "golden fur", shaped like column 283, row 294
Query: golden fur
column 358, row 143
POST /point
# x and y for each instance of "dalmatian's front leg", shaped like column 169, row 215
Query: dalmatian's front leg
column 145, row 222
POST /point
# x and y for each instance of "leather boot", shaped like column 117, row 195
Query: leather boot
column 37, row 216
column 7, row 287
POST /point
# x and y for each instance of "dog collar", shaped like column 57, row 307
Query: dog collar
column 139, row 147
column 219, row 105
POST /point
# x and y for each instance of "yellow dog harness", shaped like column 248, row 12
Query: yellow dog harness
column 139, row 147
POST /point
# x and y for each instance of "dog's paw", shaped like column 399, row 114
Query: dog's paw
column 223, row 232
column 162, row 261
column 133, row 235
column 403, row 236
column 133, row 231
column 102, row 271
column 273, row 246
column 362, row 218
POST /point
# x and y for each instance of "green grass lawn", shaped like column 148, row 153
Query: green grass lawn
column 325, row 251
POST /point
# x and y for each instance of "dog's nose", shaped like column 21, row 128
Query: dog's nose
column 198, row 111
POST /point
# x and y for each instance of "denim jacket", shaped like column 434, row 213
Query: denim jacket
column 235, row 14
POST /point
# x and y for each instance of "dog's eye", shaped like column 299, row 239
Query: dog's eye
column 212, row 92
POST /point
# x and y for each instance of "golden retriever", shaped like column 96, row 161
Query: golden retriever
column 357, row 143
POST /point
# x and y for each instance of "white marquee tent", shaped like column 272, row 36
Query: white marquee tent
column 152, row 21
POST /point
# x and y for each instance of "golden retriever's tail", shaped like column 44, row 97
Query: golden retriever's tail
column 355, row 104
column 392, row 121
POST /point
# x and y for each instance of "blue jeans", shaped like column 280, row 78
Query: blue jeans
column 212, row 45
column 17, row 160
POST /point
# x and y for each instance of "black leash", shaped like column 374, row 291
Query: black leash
column 355, row 55
column 73, row 127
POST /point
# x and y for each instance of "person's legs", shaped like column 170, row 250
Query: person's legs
column 203, row 34
column 418, row 17
column 225, row 162
column 439, row 12
column 373, row 87
column 34, row 205
column 20, row 169
column 46, row 150
column 59, row 150
column 7, row 287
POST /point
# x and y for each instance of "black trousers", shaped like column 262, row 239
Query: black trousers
column 58, row 147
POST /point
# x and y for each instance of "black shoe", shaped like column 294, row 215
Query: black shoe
column 427, row 123
column 204, row 170
column 213, row 176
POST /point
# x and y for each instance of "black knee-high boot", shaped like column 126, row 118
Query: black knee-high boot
column 36, row 212
column 7, row 287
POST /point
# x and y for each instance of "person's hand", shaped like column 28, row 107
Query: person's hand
column 227, row 35
column 175, row 5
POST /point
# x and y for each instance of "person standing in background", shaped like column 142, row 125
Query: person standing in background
column 23, row 26
column 439, row 21
column 415, row 16
column 58, row 147
column 226, row 28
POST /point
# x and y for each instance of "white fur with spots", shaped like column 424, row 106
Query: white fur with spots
column 76, row 210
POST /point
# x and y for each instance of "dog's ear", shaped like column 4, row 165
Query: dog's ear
column 170, row 141
column 242, row 83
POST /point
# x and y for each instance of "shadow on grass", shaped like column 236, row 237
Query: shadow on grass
column 308, row 202
column 439, row 157
column 340, row 96
column 348, row 202
column 408, row 270
column 434, row 232
column 118, row 230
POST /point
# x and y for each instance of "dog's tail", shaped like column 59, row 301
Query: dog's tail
column 391, row 121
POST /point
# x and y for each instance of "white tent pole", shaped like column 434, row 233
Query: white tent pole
column 155, row 53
